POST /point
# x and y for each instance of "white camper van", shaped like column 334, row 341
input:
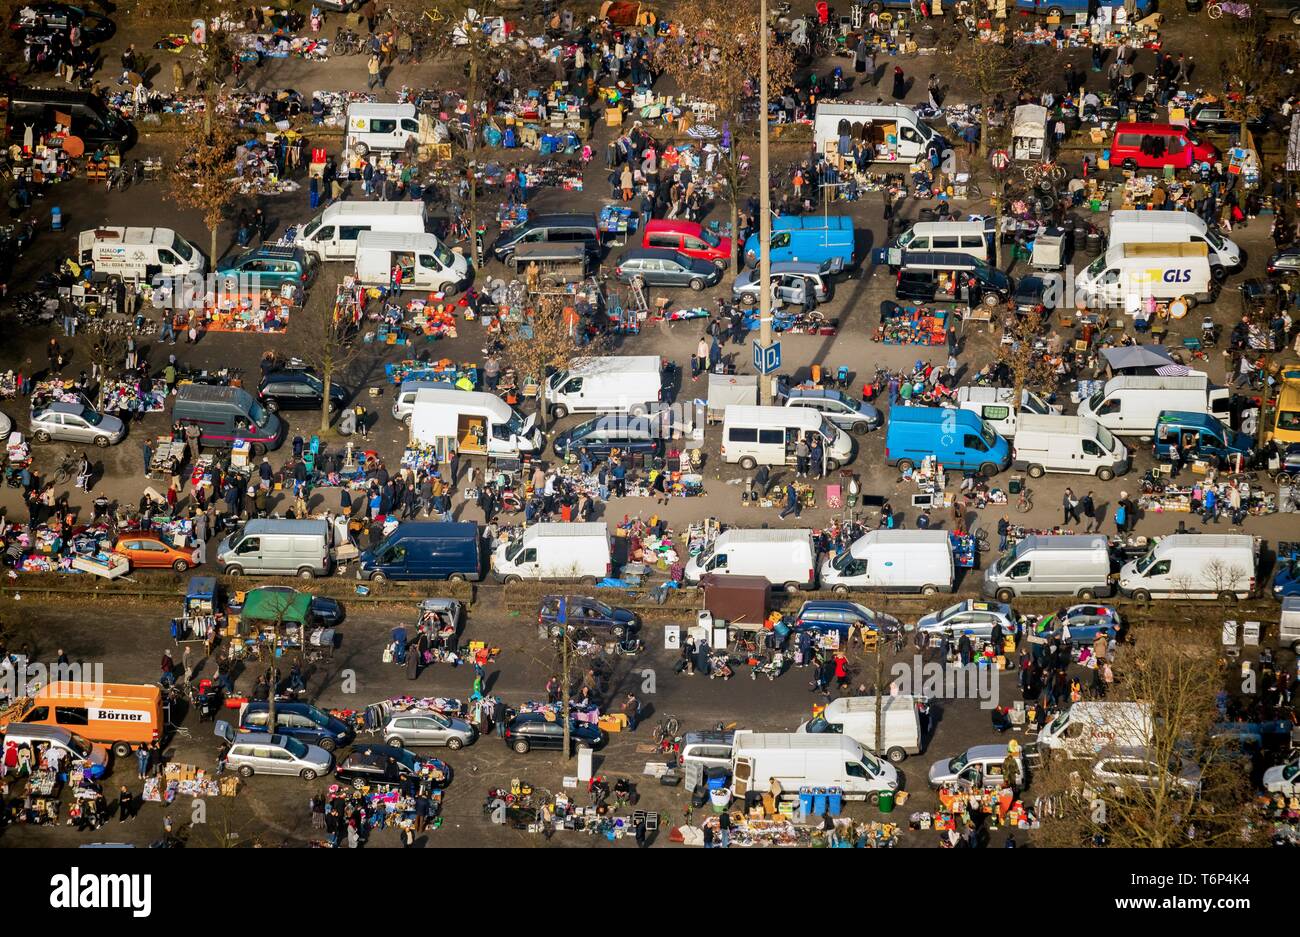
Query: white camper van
column 555, row 551
column 138, row 253
column 384, row 127
column 893, row 561
column 472, row 423
column 1072, row 444
column 785, row 557
column 333, row 233
column 426, row 263
column 855, row 716
column 755, row 436
column 1193, row 566
column 606, row 384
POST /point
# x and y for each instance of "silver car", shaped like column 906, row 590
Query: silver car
column 261, row 753
column 428, row 728
column 75, row 422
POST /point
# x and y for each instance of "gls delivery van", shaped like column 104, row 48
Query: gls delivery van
column 957, row 438
column 785, row 558
column 426, row 263
column 1193, row 566
column 1071, row 444
column 993, row 406
column 893, row 561
column 855, row 716
column 1052, row 564
column 1167, row 227
column 755, row 436
column 555, row 551
column 1129, row 273
column 332, row 234
column 138, row 253
column 1130, row 405
column 472, row 423
column 606, row 384
column 120, row 716
column 800, row 759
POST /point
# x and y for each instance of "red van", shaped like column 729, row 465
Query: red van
column 1154, row 146
column 689, row 238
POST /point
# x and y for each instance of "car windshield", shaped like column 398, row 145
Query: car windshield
column 182, row 248
column 259, row 414
column 958, row 763
column 514, row 549
column 312, row 381
column 1007, row 560
column 1097, row 266
column 91, row 417
column 1105, row 438
column 990, row 438
column 318, row 717
column 1096, row 400
column 79, row 746
column 1145, row 562
column 312, row 225
column 906, row 238
column 515, row 425
column 951, row 610
column 443, row 256
column 558, row 378
column 601, row 609
column 295, row 748
column 828, row 430
column 1215, row 239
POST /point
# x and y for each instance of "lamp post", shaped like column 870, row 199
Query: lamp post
column 764, row 210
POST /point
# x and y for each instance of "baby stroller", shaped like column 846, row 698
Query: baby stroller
column 720, row 667
column 770, row 668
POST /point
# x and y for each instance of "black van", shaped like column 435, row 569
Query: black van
column 551, row 229
column 938, row 276
column 92, row 121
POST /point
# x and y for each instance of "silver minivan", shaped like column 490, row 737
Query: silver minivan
column 75, row 747
column 428, row 728
column 404, row 399
column 75, row 422
column 260, row 753
column 277, row 547
column 978, row 766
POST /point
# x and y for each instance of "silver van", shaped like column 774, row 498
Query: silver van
column 978, row 766
column 75, row 747
column 261, row 753
column 277, row 547
column 417, row 727
column 404, row 399
column 1053, row 564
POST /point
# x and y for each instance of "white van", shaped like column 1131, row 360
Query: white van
column 385, row 127
column 799, row 759
column 973, row 238
column 893, row 561
column 606, row 384
column 855, row 716
column 785, row 557
column 138, row 253
column 1127, row 274
column 1130, row 405
column 278, row 546
column 427, row 265
column 472, row 423
column 1052, row 564
column 1193, row 566
column 1090, row 728
column 756, row 436
column 892, row 132
column 1167, row 227
column 993, row 406
column 332, row 234
column 1067, row 444
column 75, row 748
column 555, row 551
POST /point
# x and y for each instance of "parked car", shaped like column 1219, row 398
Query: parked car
column 604, row 434
column 689, row 238
column 328, row 612
column 36, row 19
column 369, row 766
column 833, row 615
column 856, row 416
column 533, row 730
column 75, row 422
column 589, row 617
column 271, row 266
column 1086, row 621
column 301, row 721
column 970, row 616
column 1285, row 261
column 793, row 278
column 1210, row 117
column 299, row 389
column 1046, row 290
column 149, row 551
column 661, row 267
column 261, row 753
column 414, row 727
column 1127, row 770
column 1284, row 778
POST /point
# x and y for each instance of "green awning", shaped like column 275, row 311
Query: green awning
column 272, row 605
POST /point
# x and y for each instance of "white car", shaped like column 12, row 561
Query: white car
column 1284, row 779
column 1125, row 771
column 972, row 617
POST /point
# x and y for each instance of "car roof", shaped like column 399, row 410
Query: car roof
column 65, row 406
column 980, row 752
column 813, row 393
column 656, row 253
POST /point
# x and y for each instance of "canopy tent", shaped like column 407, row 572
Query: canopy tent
column 276, row 605
column 1130, row 358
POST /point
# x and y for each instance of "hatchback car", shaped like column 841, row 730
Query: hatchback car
column 385, row 766
column 148, row 551
column 601, row 436
column 301, row 721
column 842, row 410
column 970, row 617
column 588, row 617
column 299, row 389
column 1284, row 778
column 410, row 728
column 533, row 730
column 75, row 422
column 793, row 281
column 1085, row 622
column 261, row 753
column 270, row 266
column 1286, row 261
column 1126, row 772
column 656, row 267
column 1041, row 290
column 689, row 238
column 828, row 615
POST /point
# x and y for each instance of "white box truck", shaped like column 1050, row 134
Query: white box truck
column 426, row 263
column 755, row 436
column 555, row 551
column 855, row 716
column 1126, row 274
column 1070, row 444
column 800, row 759
column 1130, row 405
column 138, row 253
column 993, row 406
column 333, row 233
column 786, row 558
column 1052, row 564
column 1167, row 227
column 472, row 423
column 893, row 561
column 1193, row 566
column 1089, row 728
column 605, row 384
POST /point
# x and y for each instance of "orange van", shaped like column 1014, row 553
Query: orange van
column 120, row 716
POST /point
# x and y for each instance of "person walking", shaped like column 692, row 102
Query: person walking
column 1069, row 507
column 1088, row 507
column 374, row 72
column 791, row 502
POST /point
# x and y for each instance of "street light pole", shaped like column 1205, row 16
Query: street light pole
column 764, row 210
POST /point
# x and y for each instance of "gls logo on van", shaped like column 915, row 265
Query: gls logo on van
column 1177, row 276
column 76, row 891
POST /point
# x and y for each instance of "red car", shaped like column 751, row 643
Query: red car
column 689, row 238
column 1154, row 146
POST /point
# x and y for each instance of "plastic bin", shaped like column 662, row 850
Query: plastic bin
column 886, row 802
column 805, row 800
column 819, row 801
column 721, row 799
column 834, row 801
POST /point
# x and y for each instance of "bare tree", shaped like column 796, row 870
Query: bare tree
column 1003, row 67
column 544, row 340
column 1029, row 368
column 1251, row 69
column 325, row 336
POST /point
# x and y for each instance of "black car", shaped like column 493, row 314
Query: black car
column 604, row 434
column 588, row 617
column 1210, row 117
column 41, row 19
column 325, row 610
column 1286, row 261
column 533, row 730
column 1046, row 290
column 370, row 765
column 299, row 390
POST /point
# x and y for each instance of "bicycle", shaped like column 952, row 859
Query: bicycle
column 667, row 730
column 67, row 469
column 1025, row 503
column 1036, row 173
column 1240, row 10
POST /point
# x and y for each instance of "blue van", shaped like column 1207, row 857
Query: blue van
column 1198, row 436
column 816, row 239
column 1063, row 8
column 301, row 721
column 957, row 438
column 425, row 550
